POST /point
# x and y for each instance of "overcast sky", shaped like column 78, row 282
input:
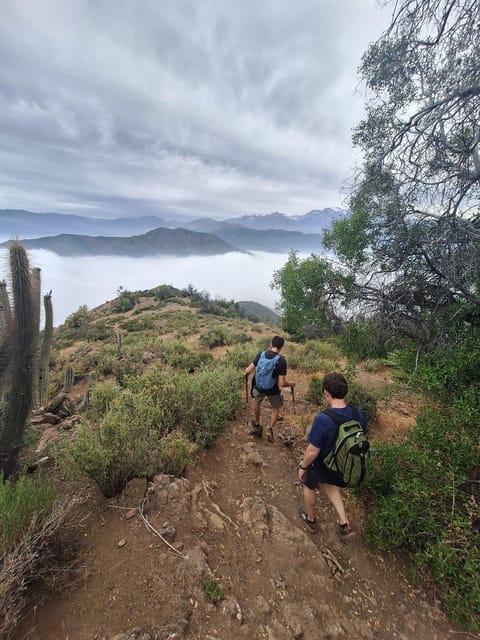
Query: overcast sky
column 180, row 107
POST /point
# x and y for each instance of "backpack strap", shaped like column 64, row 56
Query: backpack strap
column 331, row 413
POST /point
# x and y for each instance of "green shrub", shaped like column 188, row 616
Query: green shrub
column 97, row 331
column 28, row 500
column 174, row 454
column 213, row 590
column 313, row 356
column 209, row 400
column 361, row 397
column 141, row 431
column 367, row 339
column 215, row 337
column 424, row 497
column 74, row 327
column 101, row 398
column 240, row 338
column 239, row 357
column 122, row 446
column 137, row 325
column 177, row 355
column 125, row 302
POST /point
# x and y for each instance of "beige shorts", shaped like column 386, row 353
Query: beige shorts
column 275, row 401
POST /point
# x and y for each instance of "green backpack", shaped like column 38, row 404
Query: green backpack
column 351, row 450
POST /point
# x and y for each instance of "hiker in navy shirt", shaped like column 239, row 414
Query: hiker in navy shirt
column 321, row 440
column 270, row 375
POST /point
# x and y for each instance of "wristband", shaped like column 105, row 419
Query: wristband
column 302, row 468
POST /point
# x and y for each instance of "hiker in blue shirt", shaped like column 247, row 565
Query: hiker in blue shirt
column 321, row 439
column 270, row 376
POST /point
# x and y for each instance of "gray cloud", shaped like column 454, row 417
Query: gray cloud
column 218, row 108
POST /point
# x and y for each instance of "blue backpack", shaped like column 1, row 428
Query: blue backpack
column 264, row 379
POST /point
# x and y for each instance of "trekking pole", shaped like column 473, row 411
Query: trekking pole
column 246, row 388
column 293, row 400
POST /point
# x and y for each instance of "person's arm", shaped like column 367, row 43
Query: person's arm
column 283, row 382
column 249, row 369
column 311, row 454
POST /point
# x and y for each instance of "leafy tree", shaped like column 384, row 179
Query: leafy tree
column 413, row 239
column 307, row 288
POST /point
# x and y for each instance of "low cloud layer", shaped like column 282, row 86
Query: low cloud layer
column 180, row 107
column 83, row 281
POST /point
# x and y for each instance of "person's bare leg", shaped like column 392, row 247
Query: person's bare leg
column 274, row 417
column 335, row 497
column 309, row 501
column 256, row 411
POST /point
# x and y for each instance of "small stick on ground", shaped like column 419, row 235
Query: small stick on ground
column 328, row 555
column 152, row 529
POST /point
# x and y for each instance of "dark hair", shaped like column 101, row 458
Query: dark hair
column 336, row 385
column 277, row 342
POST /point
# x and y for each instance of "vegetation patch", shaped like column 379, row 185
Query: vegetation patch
column 129, row 439
column 213, row 590
column 38, row 544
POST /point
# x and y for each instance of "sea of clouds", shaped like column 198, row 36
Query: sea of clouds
column 91, row 281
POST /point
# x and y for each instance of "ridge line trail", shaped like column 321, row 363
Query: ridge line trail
column 235, row 519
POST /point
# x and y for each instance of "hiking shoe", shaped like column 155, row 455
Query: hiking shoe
column 270, row 434
column 256, row 429
column 345, row 530
column 311, row 526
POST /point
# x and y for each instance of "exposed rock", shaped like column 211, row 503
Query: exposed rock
column 254, row 514
column 69, row 423
column 216, row 521
column 232, row 608
column 253, row 455
column 165, row 489
column 263, row 605
column 168, row 532
column 276, row 631
column 134, row 492
column 42, row 463
column 49, row 418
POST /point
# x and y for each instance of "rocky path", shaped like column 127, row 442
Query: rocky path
column 233, row 520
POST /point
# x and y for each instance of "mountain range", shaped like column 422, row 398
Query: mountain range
column 73, row 235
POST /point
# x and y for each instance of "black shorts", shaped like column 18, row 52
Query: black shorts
column 318, row 473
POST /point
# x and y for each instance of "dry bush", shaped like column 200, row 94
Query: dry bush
column 45, row 557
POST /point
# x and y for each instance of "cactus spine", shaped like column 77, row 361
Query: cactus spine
column 44, row 363
column 21, row 333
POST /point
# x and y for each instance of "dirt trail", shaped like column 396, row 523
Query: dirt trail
column 234, row 518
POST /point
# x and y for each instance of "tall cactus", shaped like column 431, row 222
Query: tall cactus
column 5, row 329
column 22, row 334
column 119, row 341
column 68, row 379
column 36, row 296
column 44, row 363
